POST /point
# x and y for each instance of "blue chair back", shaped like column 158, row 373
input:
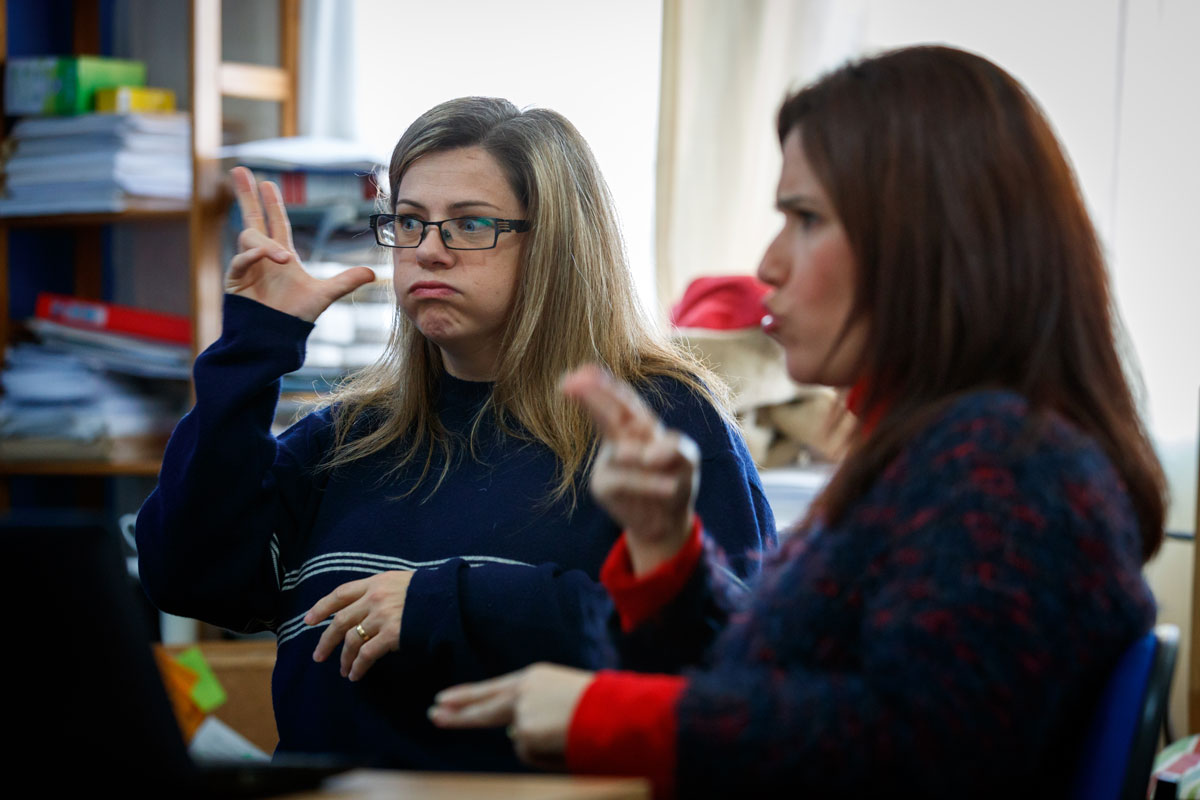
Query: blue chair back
column 1119, row 749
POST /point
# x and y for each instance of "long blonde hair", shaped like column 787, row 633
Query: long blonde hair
column 574, row 304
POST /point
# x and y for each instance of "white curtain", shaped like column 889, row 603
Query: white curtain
column 726, row 67
column 328, row 71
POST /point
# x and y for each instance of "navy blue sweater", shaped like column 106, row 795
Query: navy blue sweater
column 243, row 532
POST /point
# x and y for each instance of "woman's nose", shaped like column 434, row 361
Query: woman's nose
column 771, row 268
column 432, row 250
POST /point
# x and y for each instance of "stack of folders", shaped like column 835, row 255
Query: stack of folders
column 97, row 163
column 94, row 376
column 108, row 336
column 58, row 405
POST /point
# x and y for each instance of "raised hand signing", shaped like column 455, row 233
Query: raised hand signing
column 366, row 620
column 266, row 267
column 645, row 476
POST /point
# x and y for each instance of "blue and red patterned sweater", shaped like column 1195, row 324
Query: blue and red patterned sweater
column 947, row 638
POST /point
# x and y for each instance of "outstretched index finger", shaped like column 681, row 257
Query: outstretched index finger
column 615, row 407
column 246, row 190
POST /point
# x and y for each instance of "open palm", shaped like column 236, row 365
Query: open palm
column 266, row 267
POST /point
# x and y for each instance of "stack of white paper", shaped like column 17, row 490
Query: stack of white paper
column 306, row 153
column 57, row 405
column 97, row 163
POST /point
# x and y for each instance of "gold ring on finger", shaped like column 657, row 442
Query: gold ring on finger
column 366, row 637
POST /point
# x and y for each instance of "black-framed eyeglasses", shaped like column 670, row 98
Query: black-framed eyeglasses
column 460, row 233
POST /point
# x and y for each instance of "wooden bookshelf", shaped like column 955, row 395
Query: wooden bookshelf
column 128, row 456
column 135, row 212
column 210, row 78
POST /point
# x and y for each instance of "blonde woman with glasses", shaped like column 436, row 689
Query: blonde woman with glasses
column 430, row 524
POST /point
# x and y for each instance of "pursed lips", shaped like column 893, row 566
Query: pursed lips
column 431, row 289
column 769, row 324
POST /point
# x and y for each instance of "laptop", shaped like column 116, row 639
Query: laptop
column 86, row 704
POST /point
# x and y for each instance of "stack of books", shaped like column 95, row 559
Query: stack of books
column 97, row 163
column 94, row 377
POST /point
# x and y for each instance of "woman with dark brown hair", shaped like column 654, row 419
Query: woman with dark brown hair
column 944, row 619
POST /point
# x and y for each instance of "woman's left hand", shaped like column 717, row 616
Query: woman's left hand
column 536, row 703
column 366, row 620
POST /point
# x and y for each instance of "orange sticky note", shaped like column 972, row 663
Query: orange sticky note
column 179, row 682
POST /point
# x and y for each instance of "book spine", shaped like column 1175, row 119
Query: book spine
column 95, row 315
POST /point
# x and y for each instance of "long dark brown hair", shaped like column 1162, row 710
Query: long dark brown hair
column 978, row 265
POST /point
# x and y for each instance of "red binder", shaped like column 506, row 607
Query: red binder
column 97, row 316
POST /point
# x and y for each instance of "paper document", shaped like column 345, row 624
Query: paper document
column 216, row 741
column 31, row 127
column 306, row 153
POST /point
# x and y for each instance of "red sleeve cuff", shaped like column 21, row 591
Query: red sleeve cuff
column 625, row 725
column 639, row 597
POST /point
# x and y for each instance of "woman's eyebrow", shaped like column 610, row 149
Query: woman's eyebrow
column 794, row 201
column 458, row 206
column 473, row 204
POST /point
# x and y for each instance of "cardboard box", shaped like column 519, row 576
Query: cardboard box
column 64, row 85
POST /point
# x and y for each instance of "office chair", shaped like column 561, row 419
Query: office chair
column 1118, row 753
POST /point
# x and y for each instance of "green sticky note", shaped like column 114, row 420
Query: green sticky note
column 208, row 692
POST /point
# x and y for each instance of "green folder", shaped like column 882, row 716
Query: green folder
column 64, row 85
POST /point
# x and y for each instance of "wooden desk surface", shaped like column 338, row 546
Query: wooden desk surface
column 366, row 784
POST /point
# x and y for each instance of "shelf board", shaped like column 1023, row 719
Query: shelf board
column 138, row 456
column 163, row 210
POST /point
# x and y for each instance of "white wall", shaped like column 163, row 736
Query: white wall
column 1157, row 270
column 1156, row 260
column 1064, row 51
column 596, row 63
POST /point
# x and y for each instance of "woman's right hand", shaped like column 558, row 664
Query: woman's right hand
column 645, row 476
column 536, row 703
column 266, row 267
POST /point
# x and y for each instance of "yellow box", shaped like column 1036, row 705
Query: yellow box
column 127, row 99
